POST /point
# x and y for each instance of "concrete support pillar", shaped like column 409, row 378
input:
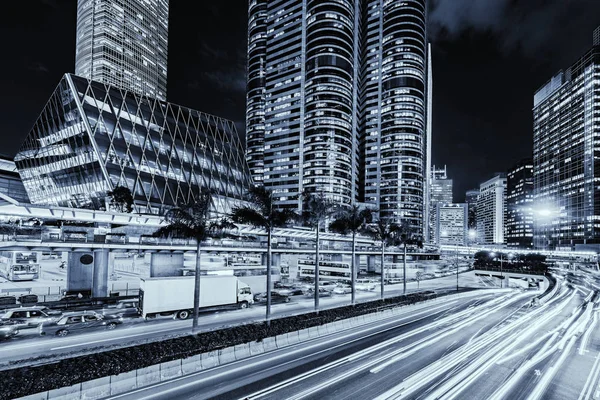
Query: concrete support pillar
column 371, row 262
column 80, row 268
column 275, row 259
column 100, row 274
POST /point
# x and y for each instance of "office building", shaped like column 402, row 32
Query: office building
column 491, row 209
column 123, row 43
column 471, row 200
column 10, row 182
column 451, row 224
column 337, row 102
column 92, row 137
column 519, row 205
column 566, row 148
column 440, row 190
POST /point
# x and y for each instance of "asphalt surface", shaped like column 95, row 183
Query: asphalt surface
column 28, row 348
column 489, row 345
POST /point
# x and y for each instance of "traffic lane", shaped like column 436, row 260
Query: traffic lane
column 372, row 375
column 29, row 344
column 500, row 384
column 277, row 364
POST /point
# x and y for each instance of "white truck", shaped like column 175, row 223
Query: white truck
column 175, row 295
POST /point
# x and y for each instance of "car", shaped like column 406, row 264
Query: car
column 342, row 289
column 276, row 297
column 77, row 321
column 8, row 330
column 28, row 298
column 327, row 285
column 322, row 292
column 124, row 308
column 30, row 317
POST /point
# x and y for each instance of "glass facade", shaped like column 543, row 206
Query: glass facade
column 491, row 210
column 124, row 43
column 10, row 181
column 92, row 137
column 440, row 191
column 566, row 150
column 451, row 224
column 337, row 100
column 519, row 205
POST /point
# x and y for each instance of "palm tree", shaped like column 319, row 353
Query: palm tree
column 192, row 222
column 384, row 231
column 315, row 210
column 263, row 213
column 352, row 220
column 406, row 235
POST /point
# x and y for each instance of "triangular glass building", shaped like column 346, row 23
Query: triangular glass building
column 92, row 137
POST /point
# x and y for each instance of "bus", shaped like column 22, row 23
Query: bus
column 328, row 270
column 19, row 266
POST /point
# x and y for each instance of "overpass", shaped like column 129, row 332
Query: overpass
column 517, row 274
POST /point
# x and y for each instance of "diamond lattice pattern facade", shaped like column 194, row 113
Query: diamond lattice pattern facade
column 92, row 137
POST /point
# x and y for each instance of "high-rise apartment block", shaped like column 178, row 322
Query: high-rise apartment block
column 451, row 224
column 519, row 205
column 566, row 149
column 338, row 101
column 491, row 208
column 123, row 43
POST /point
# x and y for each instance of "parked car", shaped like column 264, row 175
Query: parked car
column 342, row 289
column 276, row 297
column 123, row 308
column 30, row 317
column 8, row 330
column 81, row 320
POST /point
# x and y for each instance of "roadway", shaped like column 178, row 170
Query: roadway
column 492, row 345
column 28, row 348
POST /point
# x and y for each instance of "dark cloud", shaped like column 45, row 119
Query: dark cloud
column 38, row 67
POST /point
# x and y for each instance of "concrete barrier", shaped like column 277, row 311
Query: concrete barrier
column 65, row 393
column 282, row 340
column 347, row 323
column 257, row 348
column 303, row 335
column 37, row 396
column 313, row 332
column 148, row 376
column 293, row 338
column 242, row 351
column 170, row 370
column 226, row 355
column 96, row 389
column 269, row 344
column 123, row 382
column 191, row 364
column 210, row 359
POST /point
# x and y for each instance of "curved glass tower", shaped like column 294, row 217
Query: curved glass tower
column 337, row 102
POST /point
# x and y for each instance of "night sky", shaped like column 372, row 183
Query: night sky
column 489, row 57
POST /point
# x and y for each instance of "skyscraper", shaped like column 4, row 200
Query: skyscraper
column 471, row 200
column 440, row 190
column 337, row 99
column 491, row 209
column 519, row 205
column 123, row 43
column 566, row 148
column 451, row 224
